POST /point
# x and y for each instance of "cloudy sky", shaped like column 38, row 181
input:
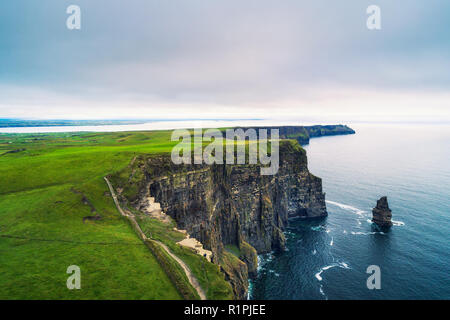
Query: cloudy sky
column 225, row 59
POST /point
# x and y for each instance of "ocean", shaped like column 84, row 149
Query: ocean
column 328, row 258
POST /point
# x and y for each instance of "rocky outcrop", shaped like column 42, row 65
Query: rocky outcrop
column 236, row 273
column 235, row 205
column 382, row 215
column 250, row 257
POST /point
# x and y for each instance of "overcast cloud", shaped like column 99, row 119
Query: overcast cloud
column 225, row 59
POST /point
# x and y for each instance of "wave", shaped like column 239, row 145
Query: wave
column 398, row 223
column 263, row 260
column 321, row 290
column 340, row 265
column 367, row 233
column 394, row 222
column 346, row 207
column 331, row 242
column 360, row 212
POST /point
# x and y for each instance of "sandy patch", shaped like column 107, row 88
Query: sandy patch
column 196, row 245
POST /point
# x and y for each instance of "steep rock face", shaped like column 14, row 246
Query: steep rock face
column 233, row 204
column 382, row 215
column 236, row 273
column 250, row 257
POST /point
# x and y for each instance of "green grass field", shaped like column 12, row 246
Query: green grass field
column 48, row 183
column 41, row 218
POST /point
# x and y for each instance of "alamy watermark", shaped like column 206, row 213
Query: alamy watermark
column 250, row 142
column 73, row 22
column 374, row 19
column 74, row 280
column 374, row 281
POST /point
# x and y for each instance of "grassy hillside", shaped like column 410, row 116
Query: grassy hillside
column 208, row 274
column 48, row 183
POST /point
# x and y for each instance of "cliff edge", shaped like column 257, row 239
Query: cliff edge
column 228, row 205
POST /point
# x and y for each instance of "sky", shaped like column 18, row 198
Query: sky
column 225, row 59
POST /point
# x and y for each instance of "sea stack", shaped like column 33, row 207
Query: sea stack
column 382, row 215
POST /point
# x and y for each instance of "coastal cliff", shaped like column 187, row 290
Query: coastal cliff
column 229, row 206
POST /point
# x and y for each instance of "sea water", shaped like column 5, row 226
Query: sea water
column 328, row 259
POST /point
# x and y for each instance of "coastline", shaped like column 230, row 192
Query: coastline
column 345, row 244
column 156, row 125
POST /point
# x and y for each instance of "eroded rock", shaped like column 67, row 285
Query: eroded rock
column 382, row 215
column 225, row 204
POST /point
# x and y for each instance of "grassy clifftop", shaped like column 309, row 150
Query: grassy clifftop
column 49, row 183
column 45, row 192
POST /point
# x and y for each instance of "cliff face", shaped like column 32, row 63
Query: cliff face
column 382, row 215
column 233, row 204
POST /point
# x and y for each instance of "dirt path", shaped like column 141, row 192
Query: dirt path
column 192, row 279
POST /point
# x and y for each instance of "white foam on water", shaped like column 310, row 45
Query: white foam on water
column 398, row 223
column 340, row 265
column 331, row 242
column 250, row 290
column 343, row 265
column 321, row 290
column 317, row 275
column 367, row 233
column 261, row 262
column 314, row 252
column 347, row 207
column 360, row 213
column 322, row 293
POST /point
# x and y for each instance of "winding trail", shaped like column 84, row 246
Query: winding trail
column 192, row 279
